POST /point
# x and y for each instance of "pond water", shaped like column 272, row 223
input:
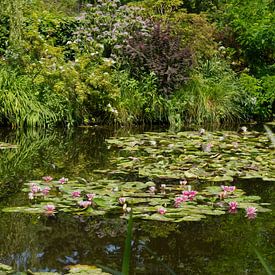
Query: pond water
column 214, row 245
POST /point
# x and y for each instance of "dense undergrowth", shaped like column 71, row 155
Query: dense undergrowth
column 129, row 62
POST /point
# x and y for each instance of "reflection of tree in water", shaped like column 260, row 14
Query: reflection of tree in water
column 58, row 153
column 217, row 245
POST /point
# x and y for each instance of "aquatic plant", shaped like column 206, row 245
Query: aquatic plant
column 251, row 212
column 164, row 177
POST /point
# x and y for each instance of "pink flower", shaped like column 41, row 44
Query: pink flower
column 90, row 196
column 122, row 200
column 180, row 199
column 76, row 194
column 84, row 204
column 162, row 210
column 190, row 194
column 63, row 180
column 251, row 212
column 46, row 191
column 152, row 189
column 31, row 196
column 233, row 205
column 35, row 188
column 49, row 207
column 47, row 178
column 228, row 188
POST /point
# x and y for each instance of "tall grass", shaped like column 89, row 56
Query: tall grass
column 212, row 94
column 19, row 105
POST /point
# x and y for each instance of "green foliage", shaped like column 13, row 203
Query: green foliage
column 259, row 96
column 19, row 106
column 211, row 95
column 4, row 33
column 139, row 100
column 252, row 23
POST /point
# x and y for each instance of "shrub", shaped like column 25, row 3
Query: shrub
column 109, row 23
column 259, row 96
column 139, row 100
column 251, row 24
column 162, row 53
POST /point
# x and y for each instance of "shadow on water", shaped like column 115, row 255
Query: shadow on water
column 216, row 245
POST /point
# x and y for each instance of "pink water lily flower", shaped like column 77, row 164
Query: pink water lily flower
column 35, row 188
column 162, row 210
column 228, row 188
column 49, row 207
column 122, row 200
column 47, row 178
column 31, row 196
column 45, row 191
column 90, row 196
column 190, row 194
column 84, row 204
column 63, row 180
column 76, row 194
column 251, row 212
column 180, row 199
column 152, row 189
column 233, row 205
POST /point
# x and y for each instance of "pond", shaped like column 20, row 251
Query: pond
column 143, row 172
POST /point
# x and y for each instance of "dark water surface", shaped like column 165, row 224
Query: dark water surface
column 216, row 245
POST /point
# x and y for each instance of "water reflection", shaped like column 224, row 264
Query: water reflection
column 218, row 245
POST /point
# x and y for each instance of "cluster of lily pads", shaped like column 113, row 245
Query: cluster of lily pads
column 158, row 176
column 213, row 157
column 146, row 200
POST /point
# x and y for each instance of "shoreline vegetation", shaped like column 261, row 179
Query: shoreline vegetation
column 172, row 62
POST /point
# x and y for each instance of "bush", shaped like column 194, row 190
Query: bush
column 139, row 100
column 162, row 53
column 249, row 27
column 259, row 96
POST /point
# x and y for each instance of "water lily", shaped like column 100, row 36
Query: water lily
column 251, row 212
column 153, row 142
column 85, row 204
column 207, row 147
column 47, row 178
column 244, row 129
column 228, row 188
column 31, row 196
column 233, row 205
column 152, row 189
column 63, row 180
column 45, row 191
column 183, row 182
column 49, row 208
column 122, row 200
column 162, row 210
column 76, row 194
column 35, row 188
column 190, row 194
column 180, row 199
column 126, row 209
column 202, row 131
column 163, row 186
column 90, row 196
